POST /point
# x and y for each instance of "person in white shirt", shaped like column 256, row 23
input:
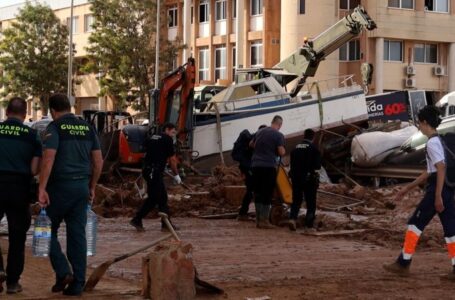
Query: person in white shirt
column 438, row 198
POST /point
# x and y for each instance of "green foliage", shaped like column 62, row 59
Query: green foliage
column 33, row 55
column 122, row 49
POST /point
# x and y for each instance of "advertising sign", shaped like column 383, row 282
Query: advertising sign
column 388, row 107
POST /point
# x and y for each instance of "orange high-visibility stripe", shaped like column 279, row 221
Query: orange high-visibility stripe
column 451, row 249
column 410, row 242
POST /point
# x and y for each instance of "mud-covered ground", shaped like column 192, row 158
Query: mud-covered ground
column 342, row 259
column 247, row 262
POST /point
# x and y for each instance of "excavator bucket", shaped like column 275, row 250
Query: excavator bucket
column 284, row 185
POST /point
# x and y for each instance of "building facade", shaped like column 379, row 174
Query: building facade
column 224, row 34
column 412, row 48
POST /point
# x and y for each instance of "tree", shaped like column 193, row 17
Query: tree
column 33, row 55
column 122, row 49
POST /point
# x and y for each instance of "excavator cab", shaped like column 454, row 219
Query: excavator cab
column 119, row 138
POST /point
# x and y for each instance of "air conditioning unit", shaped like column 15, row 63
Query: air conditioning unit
column 439, row 71
column 410, row 70
column 410, row 82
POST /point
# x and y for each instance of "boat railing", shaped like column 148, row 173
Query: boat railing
column 254, row 102
column 332, row 86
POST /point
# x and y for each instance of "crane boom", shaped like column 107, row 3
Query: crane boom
column 305, row 61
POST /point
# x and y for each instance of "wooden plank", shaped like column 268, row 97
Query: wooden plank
column 220, row 216
column 334, row 232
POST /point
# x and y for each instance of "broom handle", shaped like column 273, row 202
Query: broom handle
column 122, row 257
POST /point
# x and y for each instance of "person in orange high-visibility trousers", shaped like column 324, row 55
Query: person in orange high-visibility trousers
column 438, row 197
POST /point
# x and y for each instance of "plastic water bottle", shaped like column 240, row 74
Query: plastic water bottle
column 90, row 231
column 42, row 235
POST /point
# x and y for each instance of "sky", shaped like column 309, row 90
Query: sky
column 9, row 2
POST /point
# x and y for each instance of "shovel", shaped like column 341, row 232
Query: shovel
column 101, row 269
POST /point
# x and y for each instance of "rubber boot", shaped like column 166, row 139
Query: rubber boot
column 264, row 218
column 258, row 208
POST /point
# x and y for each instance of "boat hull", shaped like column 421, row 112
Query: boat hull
column 336, row 111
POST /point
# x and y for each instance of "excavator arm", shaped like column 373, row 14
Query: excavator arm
column 183, row 77
column 305, row 61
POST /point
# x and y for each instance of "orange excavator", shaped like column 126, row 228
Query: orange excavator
column 172, row 103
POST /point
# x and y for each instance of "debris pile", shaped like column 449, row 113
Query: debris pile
column 201, row 196
column 382, row 217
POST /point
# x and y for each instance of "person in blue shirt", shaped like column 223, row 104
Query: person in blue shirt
column 20, row 155
column 72, row 164
column 268, row 145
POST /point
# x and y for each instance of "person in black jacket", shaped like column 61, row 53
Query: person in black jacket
column 305, row 161
column 20, row 152
column 159, row 151
column 242, row 152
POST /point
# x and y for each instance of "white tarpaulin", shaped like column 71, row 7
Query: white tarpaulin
column 371, row 148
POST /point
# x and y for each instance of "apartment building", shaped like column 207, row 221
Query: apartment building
column 225, row 34
column 412, row 48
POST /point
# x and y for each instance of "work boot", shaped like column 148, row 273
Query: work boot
column 2, row 279
column 292, row 225
column 264, row 218
column 397, row 269
column 13, row 288
column 137, row 224
column 61, row 283
column 243, row 218
column 73, row 290
column 164, row 227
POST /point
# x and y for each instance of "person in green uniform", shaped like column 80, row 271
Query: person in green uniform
column 71, row 167
column 20, row 154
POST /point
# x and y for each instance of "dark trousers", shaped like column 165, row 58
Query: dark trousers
column 304, row 190
column 157, row 196
column 68, row 202
column 14, row 202
column 424, row 213
column 264, row 184
column 247, row 173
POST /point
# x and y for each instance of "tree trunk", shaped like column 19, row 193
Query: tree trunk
column 44, row 104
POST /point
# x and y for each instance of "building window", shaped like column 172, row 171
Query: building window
column 204, row 11
column 256, row 54
column 349, row 4
column 407, row 4
column 204, row 64
column 220, row 63
column 393, row 50
column 234, row 9
column 74, row 24
column 426, row 53
column 172, row 17
column 89, row 20
column 350, row 51
column 437, row 5
column 220, row 10
column 256, row 7
column 301, row 7
column 234, row 62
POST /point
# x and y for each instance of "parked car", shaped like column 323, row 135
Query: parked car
column 412, row 152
